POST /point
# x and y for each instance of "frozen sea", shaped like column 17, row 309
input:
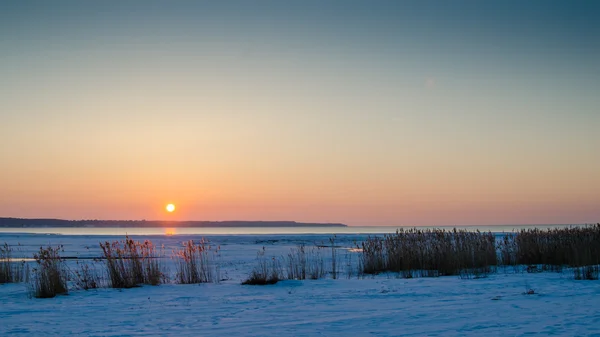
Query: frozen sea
column 251, row 230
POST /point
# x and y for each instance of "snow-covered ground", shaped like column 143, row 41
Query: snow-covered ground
column 382, row 305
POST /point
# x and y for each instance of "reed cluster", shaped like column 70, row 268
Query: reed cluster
column 85, row 276
column 11, row 271
column 267, row 270
column 50, row 274
column 195, row 263
column 303, row 263
column 132, row 263
column 552, row 249
column 431, row 252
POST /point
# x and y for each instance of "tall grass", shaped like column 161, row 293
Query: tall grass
column 437, row 252
column 10, row 271
column 303, row 263
column 267, row 270
column 352, row 269
column 195, row 263
column 334, row 258
column 431, row 252
column 132, row 263
column 85, row 276
column 50, row 274
column 552, row 249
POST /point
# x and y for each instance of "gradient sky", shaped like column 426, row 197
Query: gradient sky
column 360, row 112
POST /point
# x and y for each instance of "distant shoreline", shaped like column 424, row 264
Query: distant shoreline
column 24, row 223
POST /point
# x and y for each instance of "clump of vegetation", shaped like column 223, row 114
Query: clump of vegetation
column 552, row 249
column 586, row 273
column 50, row 274
column 507, row 248
column 195, row 263
column 430, row 253
column 303, row 263
column 132, row 263
column 334, row 261
column 10, row 270
column 267, row 270
column 85, row 276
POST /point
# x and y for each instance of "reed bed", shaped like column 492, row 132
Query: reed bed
column 429, row 253
column 576, row 247
column 409, row 252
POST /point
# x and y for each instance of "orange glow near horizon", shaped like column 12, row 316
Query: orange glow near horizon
column 170, row 231
column 112, row 119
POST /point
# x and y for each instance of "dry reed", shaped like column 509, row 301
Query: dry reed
column 132, row 263
column 266, row 271
column 303, row 263
column 196, row 263
column 49, row 275
column 431, row 252
column 11, row 271
column 577, row 247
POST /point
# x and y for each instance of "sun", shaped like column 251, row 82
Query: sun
column 170, row 208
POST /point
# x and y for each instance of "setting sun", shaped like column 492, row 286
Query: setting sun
column 170, row 208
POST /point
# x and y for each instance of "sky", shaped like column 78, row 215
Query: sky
column 359, row 112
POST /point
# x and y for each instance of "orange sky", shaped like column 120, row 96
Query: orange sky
column 248, row 113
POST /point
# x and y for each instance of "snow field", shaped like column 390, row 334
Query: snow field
column 382, row 305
